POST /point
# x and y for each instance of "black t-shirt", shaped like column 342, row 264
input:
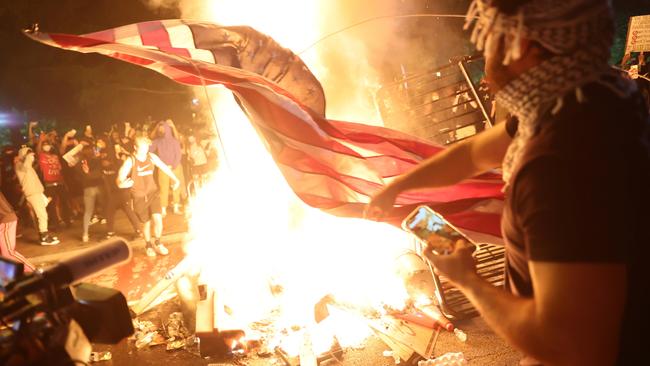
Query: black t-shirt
column 582, row 194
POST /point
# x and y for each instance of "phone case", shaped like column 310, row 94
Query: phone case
column 441, row 241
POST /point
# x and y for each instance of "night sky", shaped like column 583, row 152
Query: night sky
column 72, row 89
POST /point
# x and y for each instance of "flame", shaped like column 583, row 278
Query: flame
column 252, row 234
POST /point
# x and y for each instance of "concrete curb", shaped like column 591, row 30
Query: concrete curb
column 134, row 244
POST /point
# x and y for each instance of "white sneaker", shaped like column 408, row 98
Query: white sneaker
column 150, row 251
column 161, row 249
column 164, row 211
column 47, row 239
column 85, row 238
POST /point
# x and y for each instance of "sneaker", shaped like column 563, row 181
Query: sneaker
column 164, row 211
column 110, row 234
column 177, row 209
column 103, row 221
column 160, row 248
column 94, row 220
column 150, row 251
column 47, row 239
column 85, row 238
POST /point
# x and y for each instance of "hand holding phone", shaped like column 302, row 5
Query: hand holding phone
column 433, row 230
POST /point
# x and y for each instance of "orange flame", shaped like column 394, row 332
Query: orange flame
column 251, row 232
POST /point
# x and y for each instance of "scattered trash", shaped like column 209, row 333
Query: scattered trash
column 176, row 326
column 146, row 334
column 264, row 352
column 144, row 340
column 460, row 335
column 100, row 356
column 393, row 355
column 144, row 326
column 177, row 334
column 448, row 359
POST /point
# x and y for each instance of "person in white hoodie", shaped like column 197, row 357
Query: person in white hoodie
column 34, row 192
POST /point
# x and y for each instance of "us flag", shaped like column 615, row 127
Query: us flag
column 331, row 165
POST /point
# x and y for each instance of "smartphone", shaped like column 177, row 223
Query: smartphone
column 432, row 229
column 9, row 272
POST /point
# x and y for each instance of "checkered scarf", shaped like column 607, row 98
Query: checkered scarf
column 578, row 33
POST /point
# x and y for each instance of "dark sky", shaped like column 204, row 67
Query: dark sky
column 74, row 88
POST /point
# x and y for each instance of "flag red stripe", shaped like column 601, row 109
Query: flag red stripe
column 298, row 160
column 68, row 41
column 154, row 34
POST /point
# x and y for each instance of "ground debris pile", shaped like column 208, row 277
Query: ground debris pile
column 178, row 336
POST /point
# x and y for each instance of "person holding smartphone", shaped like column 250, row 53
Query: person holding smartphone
column 576, row 167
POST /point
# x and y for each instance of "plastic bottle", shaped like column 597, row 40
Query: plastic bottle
column 460, row 335
column 307, row 355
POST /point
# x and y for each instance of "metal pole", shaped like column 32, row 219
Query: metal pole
column 463, row 69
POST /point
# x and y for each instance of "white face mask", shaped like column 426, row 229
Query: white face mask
column 47, row 148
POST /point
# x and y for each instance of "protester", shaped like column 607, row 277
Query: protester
column 90, row 173
column 577, row 174
column 198, row 161
column 10, row 186
column 166, row 144
column 69, row 150
column 137, row 173
column 88, row 135
column 118, row 198
column 51, row 171
column 8, row 223
column 34, row 193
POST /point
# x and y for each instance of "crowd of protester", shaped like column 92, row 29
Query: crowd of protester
column 53, row 182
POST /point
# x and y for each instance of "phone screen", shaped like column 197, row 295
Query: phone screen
column 9, row 271
column 432, row 229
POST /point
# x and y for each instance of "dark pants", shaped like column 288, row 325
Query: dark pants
column 58, row 208
column 119, row 199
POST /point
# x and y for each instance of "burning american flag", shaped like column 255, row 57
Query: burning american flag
column 331, row 165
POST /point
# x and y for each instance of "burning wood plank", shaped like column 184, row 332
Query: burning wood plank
column 169, row 279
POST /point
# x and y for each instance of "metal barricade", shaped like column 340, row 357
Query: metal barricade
column 443, row 105
column 446, row 105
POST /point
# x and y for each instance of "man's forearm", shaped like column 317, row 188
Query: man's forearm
column 446, row 168
column 513, row 318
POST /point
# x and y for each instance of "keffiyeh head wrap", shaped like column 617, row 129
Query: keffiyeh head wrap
column 578, row 33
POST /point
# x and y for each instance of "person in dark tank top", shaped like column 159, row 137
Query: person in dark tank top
column 137, row 174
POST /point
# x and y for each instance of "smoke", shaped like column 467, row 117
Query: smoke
column 354, row 56
column 385, row 43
